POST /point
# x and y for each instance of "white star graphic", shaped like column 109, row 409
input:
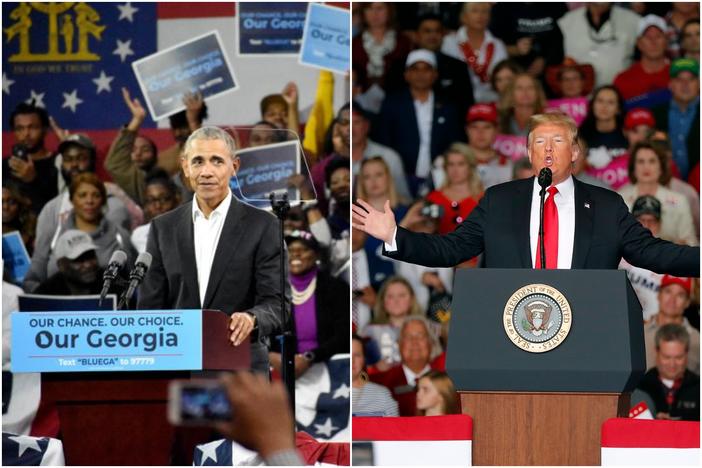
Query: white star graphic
column 25, row 443
column 210, row 451
column 325, row 429
column 127, row 11
column 6, row 83
column 38, row 99
column 71, row 100
column 123, row 49
column 341, row 392
column 103, row 82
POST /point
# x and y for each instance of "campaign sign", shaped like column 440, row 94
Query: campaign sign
column 576, row 108
column 89, row 341
column 198, row 65
column 267, row 28
column 326, row 43
column 15, row 256
column 512, row 146
column 266, row 169
column 44, row 303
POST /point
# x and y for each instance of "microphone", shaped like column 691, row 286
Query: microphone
column 545, row 178
column 117, row 261
column 141, row 266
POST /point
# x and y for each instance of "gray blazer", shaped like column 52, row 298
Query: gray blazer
column 245, row 273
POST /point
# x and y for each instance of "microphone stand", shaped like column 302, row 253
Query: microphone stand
column 122, row 284
column 281, row 207
column 542, row 194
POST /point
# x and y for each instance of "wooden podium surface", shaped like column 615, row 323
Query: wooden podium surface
column 512, row 428
column 120, row 418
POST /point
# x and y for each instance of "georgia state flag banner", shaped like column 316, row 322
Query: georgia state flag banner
column 73, row 58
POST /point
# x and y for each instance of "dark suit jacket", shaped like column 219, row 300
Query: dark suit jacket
column 397, row 127
column 245, row 273
column 453, row 83
column 660, row 113
column 605, row 232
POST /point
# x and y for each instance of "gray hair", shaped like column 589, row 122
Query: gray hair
column 672, row 332
column 433, row 340
column 210, row 133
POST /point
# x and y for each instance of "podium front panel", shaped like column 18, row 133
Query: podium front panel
column 603, row 351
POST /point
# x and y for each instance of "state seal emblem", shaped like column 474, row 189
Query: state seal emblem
column 537, row 318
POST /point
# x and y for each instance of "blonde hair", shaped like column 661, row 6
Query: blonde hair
column 506, row 102
column 444, row 385
column 392, row 191
column 380, row 314
column 475, row 185
column 553, row 118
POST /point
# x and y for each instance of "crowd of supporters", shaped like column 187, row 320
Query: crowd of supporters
column 71, row 220
column 443, row 93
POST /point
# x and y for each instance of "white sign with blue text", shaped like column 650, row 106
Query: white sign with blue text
column 326, row 42
column 199, row 65
column 89, row 341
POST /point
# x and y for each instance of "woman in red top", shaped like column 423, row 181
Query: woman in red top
column 462, row 188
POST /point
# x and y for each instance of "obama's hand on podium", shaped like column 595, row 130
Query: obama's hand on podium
column 241, row 325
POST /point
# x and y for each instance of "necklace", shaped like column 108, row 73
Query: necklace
column 300, row 297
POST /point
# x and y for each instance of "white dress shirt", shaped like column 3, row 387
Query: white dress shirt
column 411, row 376
column 425, row 118
column 565, row 203
column 206, row 234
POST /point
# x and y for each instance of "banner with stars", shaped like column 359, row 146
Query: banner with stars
column 73, row 58
column 21, row 450
column 322, row 400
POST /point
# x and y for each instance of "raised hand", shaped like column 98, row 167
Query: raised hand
column 379, row 224
column 290, row 94
column 137, row 110
column 61, row 133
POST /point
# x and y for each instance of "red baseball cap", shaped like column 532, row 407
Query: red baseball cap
column 485, row 112
column 639, row 116
column 686, row 283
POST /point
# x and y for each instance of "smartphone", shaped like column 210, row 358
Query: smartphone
column 20, row 151
column 197, row 403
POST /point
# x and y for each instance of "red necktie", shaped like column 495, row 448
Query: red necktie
column 550, row 232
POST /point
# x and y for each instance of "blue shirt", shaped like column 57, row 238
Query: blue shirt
column 679, row 123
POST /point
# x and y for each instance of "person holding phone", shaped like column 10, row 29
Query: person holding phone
column 31, row 166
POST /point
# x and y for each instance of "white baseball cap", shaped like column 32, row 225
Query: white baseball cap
column 73, row 243
column 421, row 55
column 651, row 20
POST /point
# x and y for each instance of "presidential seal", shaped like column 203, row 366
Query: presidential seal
column 537, row 318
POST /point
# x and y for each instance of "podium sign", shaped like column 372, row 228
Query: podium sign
column 592, row 338
column 99, row 341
